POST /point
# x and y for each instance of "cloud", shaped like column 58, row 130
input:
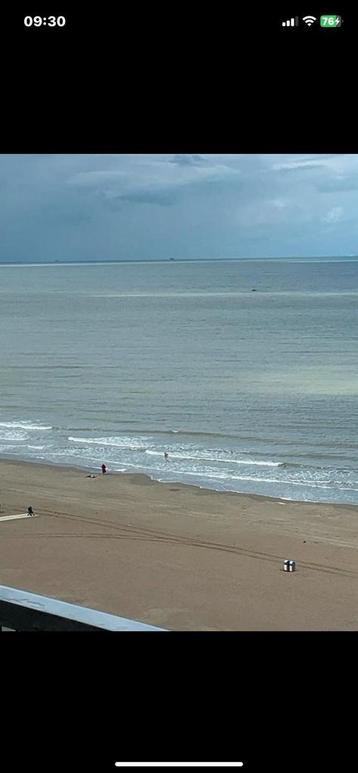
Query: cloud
column 333, row 215
column 333, row 164
column 296, row 166
column 187, row 160
column 152, row 181
column 183, row 205
column 161, row 196
column 280, row 203
column 338, row 183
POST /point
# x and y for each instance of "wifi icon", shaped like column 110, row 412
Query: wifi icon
column 309, row 20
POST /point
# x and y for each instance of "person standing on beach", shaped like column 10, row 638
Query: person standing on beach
column 104, row 469
column 166, row 455
column 30, row 511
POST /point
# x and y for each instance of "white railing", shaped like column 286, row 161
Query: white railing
column 13, row 603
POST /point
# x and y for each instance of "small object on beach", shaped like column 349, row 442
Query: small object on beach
column 30, row 511
column 90, row 476
column 254, row 290
column 289, row 566
column 104, row 469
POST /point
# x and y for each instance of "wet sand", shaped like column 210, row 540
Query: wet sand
column 178, row 556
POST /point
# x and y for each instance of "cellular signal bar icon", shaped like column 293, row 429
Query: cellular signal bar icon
column 293, row 22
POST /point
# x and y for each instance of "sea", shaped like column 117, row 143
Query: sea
column 245, row 372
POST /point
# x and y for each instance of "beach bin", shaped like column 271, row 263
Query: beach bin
column 289, row 566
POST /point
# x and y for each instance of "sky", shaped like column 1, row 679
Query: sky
column 182, row 206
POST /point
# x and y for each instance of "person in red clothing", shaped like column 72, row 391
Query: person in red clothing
column 104, row 469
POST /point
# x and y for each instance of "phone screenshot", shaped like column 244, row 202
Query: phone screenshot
column 178, row 388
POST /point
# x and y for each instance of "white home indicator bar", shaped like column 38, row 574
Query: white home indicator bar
column 179, row 764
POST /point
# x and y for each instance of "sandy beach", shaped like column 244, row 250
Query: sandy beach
column 178, row 556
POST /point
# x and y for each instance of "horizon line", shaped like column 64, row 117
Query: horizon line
column 88, row 261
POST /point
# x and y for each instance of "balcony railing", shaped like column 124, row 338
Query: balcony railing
column 21, row 610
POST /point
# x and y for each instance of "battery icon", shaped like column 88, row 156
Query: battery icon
column 330, row 21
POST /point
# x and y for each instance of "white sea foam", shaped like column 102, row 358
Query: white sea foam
column 12, row 435
column 311, row 483
column 23, row 425
column 205, row 458
column 124, row 442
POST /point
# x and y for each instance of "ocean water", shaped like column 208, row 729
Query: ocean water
column 254, row 392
